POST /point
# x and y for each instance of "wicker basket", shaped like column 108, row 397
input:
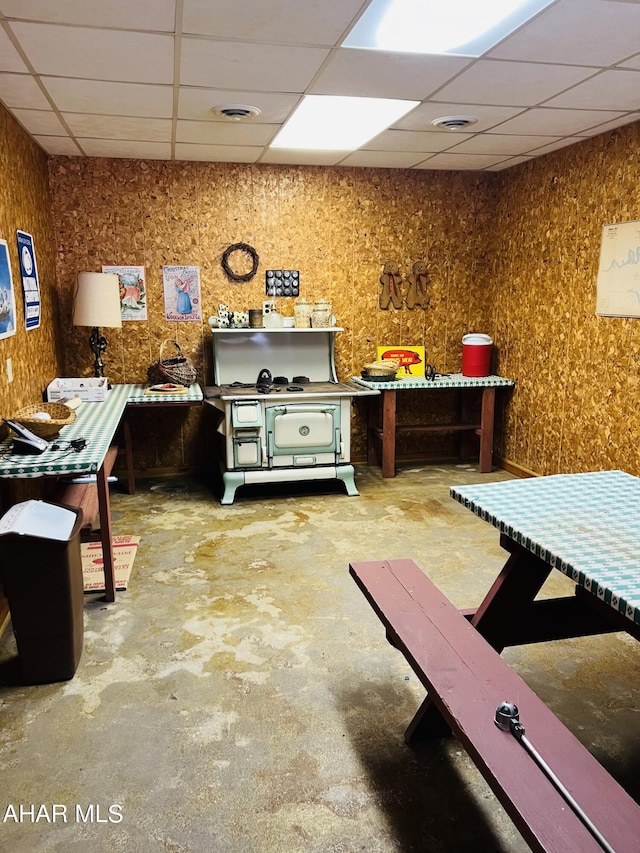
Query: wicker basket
column 387, row 367
column 61, row 415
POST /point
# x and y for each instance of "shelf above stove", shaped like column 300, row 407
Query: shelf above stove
column 277, row 330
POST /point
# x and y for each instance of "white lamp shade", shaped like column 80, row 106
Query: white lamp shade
column 96, row 301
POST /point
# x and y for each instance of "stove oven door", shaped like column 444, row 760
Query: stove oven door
column 246, row 413
column 247, row 450
column 303, row 434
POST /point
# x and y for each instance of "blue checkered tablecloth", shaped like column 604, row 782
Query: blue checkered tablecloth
column 95, row 422
column 585, row 525
column 449, row 380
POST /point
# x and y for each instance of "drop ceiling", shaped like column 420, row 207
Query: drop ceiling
column 140, row 80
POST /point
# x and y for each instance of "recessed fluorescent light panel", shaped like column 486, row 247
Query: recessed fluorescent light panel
column 459, row 27
column 335, row 123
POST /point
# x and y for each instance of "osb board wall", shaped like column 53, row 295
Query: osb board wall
column 576, row 406
column 336, row 226
column 25, row 204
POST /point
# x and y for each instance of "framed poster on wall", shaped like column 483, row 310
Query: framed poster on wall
column 7, row 296
column 618, row 293
column 30, row 283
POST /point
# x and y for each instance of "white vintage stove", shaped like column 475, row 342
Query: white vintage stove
column 285, row 416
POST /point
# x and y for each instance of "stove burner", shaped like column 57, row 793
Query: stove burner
column 300, row 380
column 280, row 380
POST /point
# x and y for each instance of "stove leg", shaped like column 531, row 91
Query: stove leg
column 345, row 473
column 231, row 481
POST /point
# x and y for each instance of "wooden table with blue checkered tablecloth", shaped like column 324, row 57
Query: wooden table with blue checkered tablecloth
column 83, row 446
column 383, row 427
column 586, row 526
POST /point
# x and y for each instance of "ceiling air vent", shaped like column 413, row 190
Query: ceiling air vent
column 454, row 122
column 236, row 112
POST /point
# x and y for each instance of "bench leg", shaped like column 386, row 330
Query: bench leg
column 427, row 724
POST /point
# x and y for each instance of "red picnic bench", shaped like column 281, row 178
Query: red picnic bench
column 466, row 681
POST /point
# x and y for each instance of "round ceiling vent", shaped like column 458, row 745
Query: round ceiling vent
column 236, row 112
column 454, row 122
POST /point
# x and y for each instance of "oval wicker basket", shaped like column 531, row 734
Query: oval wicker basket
column 61, row 416
column 382, row 368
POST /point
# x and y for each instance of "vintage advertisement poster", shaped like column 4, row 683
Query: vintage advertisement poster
column 30, row 283
column 7, row 298
column 618, row 292
column 133, row 291
column 181, row 287
column 410, row 359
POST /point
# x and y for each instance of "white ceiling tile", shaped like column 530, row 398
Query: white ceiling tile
column 371, row 73
column 421, row 117
column 111, row 80
column 58, row 145
column 320, row 22
column 555, row 122
column 218, row 153
column 611, row 90
column 629, row 118
column 425, row 141
column 101, row 98
column 600, row 33
column 554, row 146
column 41, row 122
column 262, row 68
column 507, row 164
column 449, row 161
column 495, row 143
column 97, row 54
column 225, row 133
column 383, row 159
column 511, row 83
column 139, row 15
column 21, row 90
column 632, row 62
column 126, row 148
column 119, row 127
column 299, row 157
column 197, row 104
column 10, row 59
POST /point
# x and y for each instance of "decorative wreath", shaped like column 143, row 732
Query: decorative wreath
column 248, row 250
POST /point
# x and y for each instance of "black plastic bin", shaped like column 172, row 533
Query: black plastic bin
column 41, row 569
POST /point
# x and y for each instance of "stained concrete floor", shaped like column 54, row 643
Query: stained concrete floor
column 241, row 697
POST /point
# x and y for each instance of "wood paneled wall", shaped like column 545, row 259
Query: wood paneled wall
column 576, row 406
column 513, row 254
column 25, row 204
column 336, row 226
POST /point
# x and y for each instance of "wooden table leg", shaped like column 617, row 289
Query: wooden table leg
column 388, row 433
column 128, row 451
column 105, row 534
column 486, row 429
column 511, row 594
column 373, row 423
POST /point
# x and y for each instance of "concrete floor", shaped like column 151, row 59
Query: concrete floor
column 241, row 697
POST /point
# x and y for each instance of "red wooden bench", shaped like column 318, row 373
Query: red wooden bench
column 466, row 680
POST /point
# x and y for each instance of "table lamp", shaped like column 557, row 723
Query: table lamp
column 96, row 303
